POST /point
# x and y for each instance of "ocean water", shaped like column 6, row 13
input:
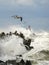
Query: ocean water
column 11, row 46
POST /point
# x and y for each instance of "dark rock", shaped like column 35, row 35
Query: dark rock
column 19, row 55
column 2, row 35
column 2, row 63
column 29, row 47
column 15, row 33
column 10, row 33
column 22, row 62
column 7, row 34
column 28, row 63
column 21, row 35
column 11, row 62
column 27, row 44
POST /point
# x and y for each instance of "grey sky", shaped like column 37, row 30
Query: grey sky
column 34, row 12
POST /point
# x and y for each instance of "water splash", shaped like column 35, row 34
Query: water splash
column 13, row 45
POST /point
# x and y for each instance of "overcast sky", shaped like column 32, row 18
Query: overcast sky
column 34, row 12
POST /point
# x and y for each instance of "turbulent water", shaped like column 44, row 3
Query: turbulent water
column 11, row 46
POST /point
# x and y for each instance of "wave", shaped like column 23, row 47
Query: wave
column 12, row 45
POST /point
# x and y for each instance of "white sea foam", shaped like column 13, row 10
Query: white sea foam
column 13, row 45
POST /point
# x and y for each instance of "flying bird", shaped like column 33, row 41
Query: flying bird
column 18, row 17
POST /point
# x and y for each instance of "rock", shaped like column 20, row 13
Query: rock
column 28, row 63
column 21, row 35
column 10, row 33
column 29, row 47
column 13, row 62
column 2, row 63
column 15, row 33
column 7, row 34
column 22, row 62
column 2, row 35
column 27, row 44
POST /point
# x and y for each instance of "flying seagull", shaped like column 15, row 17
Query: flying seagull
column 18, row 17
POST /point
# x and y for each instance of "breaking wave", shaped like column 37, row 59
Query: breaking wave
column 11, row 46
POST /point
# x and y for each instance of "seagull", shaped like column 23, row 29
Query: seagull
column 18, row 17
